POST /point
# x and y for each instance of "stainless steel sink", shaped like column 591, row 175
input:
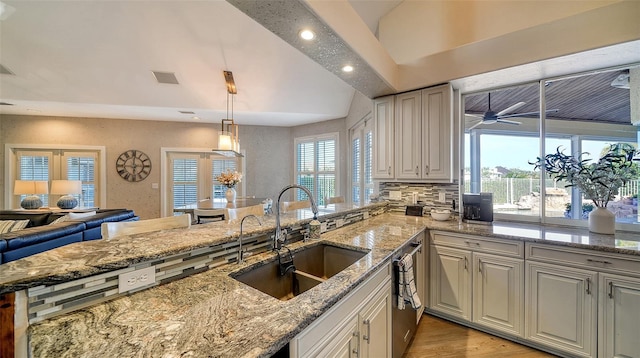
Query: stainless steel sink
column 314, row 265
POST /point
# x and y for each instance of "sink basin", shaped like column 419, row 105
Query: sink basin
column 314, row 265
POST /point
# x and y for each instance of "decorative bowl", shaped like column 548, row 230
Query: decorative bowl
column 440, row 215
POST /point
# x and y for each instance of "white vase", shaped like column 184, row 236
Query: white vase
column 230, row 194
column 602, row 221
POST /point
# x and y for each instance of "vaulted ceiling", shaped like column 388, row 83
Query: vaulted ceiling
column 95, row 58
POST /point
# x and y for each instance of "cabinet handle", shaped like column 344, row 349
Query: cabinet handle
column 389, row 170
column 420, row 246
column 588, row 286
column 479, row 265
column 366, row 336
column 610, row 289
column 426, row 169
column 465, row 262
column 599, row 261
column 417, row 168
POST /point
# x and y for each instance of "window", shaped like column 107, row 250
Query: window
column 361, row 162
column 192, row 177
column 582, row 114
column 316, row 166
column 47, row 164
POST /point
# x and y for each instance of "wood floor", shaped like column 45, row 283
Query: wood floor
column 439, row 338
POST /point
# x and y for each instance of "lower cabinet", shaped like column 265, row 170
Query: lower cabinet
column 619, row 318
column 357, row 326
column 562, row 308
column 478, row 287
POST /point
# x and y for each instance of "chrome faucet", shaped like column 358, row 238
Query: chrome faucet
column 277, row 240
column 240, row 252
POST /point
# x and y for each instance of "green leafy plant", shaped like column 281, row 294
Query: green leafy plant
column 598, row 181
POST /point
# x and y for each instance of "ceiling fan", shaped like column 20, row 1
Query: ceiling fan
column 491, row 117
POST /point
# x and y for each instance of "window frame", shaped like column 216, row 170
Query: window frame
column 335, row 136
column 11, row 170
column 359, row 131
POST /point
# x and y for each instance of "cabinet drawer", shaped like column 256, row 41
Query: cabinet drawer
column 583, row 258
column 513, row 248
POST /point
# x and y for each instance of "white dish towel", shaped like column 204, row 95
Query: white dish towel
column 407, row 292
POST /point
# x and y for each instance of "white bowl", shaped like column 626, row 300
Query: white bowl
column 440, row 215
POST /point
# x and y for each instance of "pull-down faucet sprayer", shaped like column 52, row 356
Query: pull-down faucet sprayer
column 277, row 237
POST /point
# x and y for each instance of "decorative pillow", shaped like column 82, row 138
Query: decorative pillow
column 73, row 216
column 12, row 225
column 60, row 219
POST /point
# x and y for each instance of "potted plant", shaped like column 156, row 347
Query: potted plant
column 598, row 181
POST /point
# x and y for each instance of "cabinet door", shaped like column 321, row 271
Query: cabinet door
column 383, row 143
column 421, row 276
column 437, row 120
column 561, row 308
column 619, row 323
column 408, row 135
column 344, row 344
column 498, row 293
column 375, row 326
column 450, row 281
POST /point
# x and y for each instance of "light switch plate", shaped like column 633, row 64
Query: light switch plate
column 339, row 223
column 135, row 279
column 323, row 227
column 395, row 195
column 442, row 197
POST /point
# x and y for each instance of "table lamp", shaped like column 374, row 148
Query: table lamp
column 30, row 188
column 66, row 188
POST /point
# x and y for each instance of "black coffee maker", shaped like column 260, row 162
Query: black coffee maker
column 477, row 207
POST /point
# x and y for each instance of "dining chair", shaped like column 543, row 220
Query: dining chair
column 334, row 200
column 294, row 205
column 233, row 214
column 114, row 229
column 217, row 214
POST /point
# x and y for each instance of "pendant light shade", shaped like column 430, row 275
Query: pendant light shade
column 228, row 141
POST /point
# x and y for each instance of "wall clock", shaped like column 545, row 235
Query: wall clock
column 133, row 165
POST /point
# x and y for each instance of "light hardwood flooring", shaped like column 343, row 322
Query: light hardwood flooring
column 440, row 338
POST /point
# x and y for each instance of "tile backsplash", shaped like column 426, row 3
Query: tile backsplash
column 427, row 193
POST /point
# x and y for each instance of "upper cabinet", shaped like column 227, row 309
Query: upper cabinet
column 420, row 145
column 383, row 144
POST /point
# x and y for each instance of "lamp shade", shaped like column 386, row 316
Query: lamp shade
column 66, row 187
column 30, row 187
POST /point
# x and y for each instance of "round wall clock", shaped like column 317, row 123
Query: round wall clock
column 133, row 165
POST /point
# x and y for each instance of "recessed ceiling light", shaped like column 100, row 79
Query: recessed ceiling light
column 307, row 35
column 347, row 68
column 195, row 118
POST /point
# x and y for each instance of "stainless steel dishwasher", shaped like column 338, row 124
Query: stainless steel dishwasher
column 404, row 321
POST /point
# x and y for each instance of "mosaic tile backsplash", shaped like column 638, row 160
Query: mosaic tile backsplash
column 427, row 193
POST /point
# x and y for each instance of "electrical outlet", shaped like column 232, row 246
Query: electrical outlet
column 339, row 223
column 323, row 227
column 135, row 279
column 442, row 197
column 365, row 215
column 395, row 195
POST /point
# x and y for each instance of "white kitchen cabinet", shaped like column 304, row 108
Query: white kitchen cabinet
column 470, row 282
column 450, row 282
column 408, row 117
column 619, row 316
column 561, row 305
column 498, row 293
column 437, row 134
column 359, row 325
column 383, row 138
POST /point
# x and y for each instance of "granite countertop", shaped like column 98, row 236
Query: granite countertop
column 212, row 315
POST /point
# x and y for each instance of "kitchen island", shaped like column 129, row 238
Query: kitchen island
column 211, row 314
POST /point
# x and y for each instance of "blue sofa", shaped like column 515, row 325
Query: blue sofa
column 41, row 234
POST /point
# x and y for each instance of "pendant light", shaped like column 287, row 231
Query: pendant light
column 228, row 141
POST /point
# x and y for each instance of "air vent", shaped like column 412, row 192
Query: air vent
column 6, row 104
column 166, row 77
column 5, row 71
column 187, row 112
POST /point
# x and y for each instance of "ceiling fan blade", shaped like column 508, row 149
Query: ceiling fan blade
column 474, row 115
column 527, row 113
column 511, row 109
column 475, row 125
column 508, row 121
